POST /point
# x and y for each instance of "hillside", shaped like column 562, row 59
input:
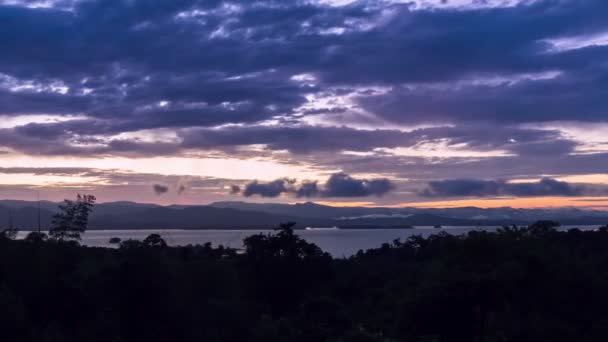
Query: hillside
column 243, row 215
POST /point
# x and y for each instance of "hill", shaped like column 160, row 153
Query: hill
column 244, row 215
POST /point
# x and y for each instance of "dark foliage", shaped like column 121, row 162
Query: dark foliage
column 36, row 237
column 115, row 240
column 9, row 233
column 72, row 218
column 155, row 240
column 518, row 284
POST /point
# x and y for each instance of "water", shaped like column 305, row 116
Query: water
column 337, row 242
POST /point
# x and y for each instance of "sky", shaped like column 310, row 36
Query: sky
column 419, row 103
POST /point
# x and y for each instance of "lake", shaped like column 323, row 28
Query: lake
column 337, row 242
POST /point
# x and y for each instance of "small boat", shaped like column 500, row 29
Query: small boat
column 437, row 226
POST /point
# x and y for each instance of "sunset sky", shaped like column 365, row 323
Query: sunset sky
column 426, row 103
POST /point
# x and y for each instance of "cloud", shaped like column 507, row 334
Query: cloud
column 235, row 189
column 483, row 188
column 58, row 139
column 68, row 171
column 160, row 189
column 528, row 100
column 195, row 68
column 304, row 139
column 308, row 189
column 183, row 184
column 338, row 185
column 270, row 189
column 296, row 139
column 306, row 83
column 343, row 185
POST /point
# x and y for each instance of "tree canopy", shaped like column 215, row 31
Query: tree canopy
column 516, row 284
column 72, row 218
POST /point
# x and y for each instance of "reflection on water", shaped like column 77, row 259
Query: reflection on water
column 338, row 242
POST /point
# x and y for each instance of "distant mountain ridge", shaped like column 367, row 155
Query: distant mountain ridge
column 246, row 215
column 309, row 209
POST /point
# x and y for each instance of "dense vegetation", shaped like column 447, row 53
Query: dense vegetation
column 533, row 284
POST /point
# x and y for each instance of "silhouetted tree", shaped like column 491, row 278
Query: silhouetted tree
column 515, row 284
column 283, row 244
column 9, row 233
column 154, row 240
column 115, row 240
column 543, row 227
column 283, row 267
column 131, row 244
column 72, row 218
column 360, row 335
column 36, row 237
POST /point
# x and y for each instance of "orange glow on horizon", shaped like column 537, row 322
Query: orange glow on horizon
column 347, row 204
column 524, row 203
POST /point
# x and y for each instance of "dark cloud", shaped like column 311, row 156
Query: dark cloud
column 484, row 137
column 270, row 189
column 437, row 168
column 308, row 189
column 425, row 46
column 183, row 184
column 159, row 57
column 47, row 170
column 160, row 189
column 557, row 147
column 483, row 188
column 59, row 138
column 56, row 139
column 343, row 185
column 209, row 70
column 235, row 189
column 580, row 95
column 338, row 185
column 192, row 67
column 301, row 139
column 308, row 139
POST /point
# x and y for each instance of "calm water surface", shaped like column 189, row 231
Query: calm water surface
column 339, row 242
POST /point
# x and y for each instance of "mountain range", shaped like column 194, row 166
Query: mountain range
column 244, row 215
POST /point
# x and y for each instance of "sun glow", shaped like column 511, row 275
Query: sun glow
column 31, row 179
column 21, row 120
column 532, row 202
column 226, row 168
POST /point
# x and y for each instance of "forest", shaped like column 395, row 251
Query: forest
column 517, row 284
